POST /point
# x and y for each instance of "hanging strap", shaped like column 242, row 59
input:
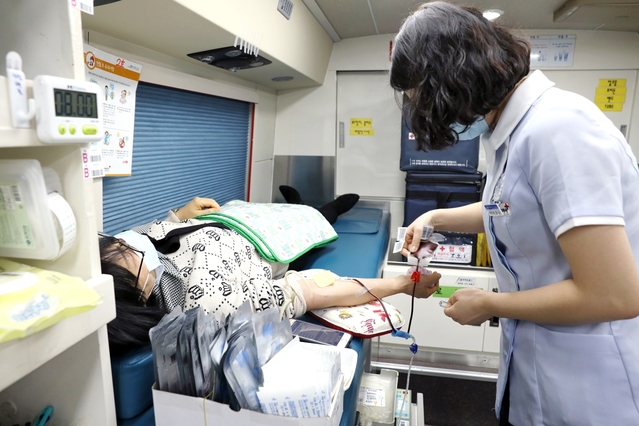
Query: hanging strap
column 171, row 241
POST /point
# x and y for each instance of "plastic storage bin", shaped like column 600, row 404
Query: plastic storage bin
column 27, row 228
column 376, row 399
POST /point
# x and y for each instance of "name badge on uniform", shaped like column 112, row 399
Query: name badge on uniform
column 497, row 209
column 493, row 210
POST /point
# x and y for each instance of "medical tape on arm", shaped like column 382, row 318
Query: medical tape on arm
column 294, row 293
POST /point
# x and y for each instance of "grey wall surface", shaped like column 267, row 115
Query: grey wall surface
column 312, row 176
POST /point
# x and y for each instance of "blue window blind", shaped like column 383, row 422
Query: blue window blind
column 185, row 144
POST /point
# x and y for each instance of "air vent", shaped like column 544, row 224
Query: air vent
column 285, row 7
column 620, row 15
column 230, row 58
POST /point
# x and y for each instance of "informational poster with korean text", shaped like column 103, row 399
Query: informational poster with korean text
column 118, row 78
column 552, row 50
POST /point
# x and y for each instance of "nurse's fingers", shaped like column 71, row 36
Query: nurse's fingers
column 414, row 233
column 467, row 307
column 452, row 299
column 413, row 238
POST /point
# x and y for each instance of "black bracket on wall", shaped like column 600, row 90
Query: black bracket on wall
column 230, row 58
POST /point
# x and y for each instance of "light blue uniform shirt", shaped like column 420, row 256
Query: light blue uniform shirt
column 558, row 162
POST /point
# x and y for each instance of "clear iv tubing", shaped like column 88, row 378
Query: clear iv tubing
column 410, row 366
column 370, row 285
column 368, row 421
column 413, row 349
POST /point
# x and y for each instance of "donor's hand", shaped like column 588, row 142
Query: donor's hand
column 197, row 207
column 427, row 285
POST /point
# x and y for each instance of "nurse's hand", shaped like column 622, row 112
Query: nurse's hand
column 196, row 207
column 414, row 233
column 468, row 306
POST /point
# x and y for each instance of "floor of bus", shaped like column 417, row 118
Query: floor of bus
column 454, row 402
column 448, row 400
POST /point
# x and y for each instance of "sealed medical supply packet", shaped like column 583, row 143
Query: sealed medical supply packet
column 32, row 299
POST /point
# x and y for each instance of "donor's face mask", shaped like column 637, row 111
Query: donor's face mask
column 479, row 127
column 142, row 243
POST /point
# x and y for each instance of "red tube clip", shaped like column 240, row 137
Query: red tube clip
column 414, row 277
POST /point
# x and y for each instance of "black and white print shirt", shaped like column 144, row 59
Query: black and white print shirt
column 216, row 269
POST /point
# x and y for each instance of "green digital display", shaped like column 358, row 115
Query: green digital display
column 70, row 103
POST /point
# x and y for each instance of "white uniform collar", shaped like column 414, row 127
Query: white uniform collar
column 517, row 106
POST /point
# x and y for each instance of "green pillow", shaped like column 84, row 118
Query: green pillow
column 279, row 232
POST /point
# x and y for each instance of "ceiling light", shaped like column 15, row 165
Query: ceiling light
column 492, row 14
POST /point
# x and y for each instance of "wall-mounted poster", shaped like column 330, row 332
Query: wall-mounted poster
column 118, row 79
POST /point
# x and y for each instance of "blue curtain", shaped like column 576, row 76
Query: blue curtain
column 185, row 144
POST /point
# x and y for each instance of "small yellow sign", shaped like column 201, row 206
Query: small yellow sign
column 610, row 107
column 361, row 122
column 362, row 132
column 611, row 94
column 612, row 82
column 610, row 91
column 610, row 99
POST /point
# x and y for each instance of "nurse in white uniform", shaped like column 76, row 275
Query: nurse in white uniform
column 560, row 209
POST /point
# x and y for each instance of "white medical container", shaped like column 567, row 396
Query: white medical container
column 27, row 227
column 376, row 397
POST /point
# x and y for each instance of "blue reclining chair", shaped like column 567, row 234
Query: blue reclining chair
column 360, row 251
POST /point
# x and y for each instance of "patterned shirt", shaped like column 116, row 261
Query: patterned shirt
column 216, row 269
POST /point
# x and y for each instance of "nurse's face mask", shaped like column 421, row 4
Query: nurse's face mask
column 142, row 243
column 479, row 127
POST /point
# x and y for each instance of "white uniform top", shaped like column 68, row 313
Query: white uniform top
column 564, row 164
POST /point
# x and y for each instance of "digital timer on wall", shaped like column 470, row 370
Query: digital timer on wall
column 67, row 110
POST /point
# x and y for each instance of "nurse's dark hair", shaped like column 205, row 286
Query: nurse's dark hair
column 457, row 64
column 134, row 315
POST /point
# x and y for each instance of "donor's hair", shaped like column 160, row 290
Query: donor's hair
column 134, row 315
column 457, row 65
